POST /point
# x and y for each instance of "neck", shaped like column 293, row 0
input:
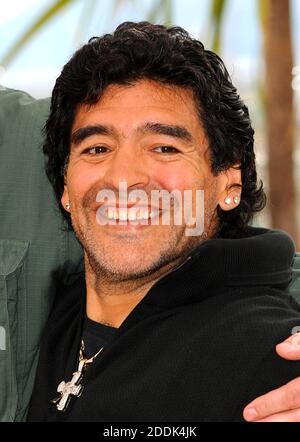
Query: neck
column 110, row 301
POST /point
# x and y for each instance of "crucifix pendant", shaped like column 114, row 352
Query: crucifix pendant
column 71, row 388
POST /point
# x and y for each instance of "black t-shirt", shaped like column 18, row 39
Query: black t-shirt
column 95, row 336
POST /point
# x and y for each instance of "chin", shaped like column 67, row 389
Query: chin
column 128, row 269
column 126, row 265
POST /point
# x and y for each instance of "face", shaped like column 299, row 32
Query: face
column 148, row 136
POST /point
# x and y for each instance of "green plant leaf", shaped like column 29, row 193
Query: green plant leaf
column 263, row 11
column 217, row 14
column 168, row 12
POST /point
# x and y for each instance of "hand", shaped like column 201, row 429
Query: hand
column 283, row 404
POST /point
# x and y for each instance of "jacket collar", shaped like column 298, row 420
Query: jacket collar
column 258, row 257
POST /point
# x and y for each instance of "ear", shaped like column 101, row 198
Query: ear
column 65, row 199
column 230, row 188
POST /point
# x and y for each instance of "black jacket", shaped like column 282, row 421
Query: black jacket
column 198, row 347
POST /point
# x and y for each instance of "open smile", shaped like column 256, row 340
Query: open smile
column 137, row 215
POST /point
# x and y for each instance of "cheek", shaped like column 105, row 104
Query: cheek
column 179, row 176
column 81, row 178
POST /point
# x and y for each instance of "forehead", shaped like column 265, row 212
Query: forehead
column 145, row 99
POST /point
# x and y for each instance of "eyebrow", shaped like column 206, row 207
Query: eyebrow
column 168, row 129
column 171, row 130
column 88, row 131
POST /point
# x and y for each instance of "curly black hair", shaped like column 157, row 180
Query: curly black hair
column 171, row 56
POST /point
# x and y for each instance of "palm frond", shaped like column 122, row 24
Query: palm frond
column 167, row 12
column 217, row 14
column 263, row 11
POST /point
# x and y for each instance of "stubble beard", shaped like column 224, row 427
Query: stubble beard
column 173, row 248
column 166, row 252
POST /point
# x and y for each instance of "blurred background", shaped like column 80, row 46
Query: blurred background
column 259, row 41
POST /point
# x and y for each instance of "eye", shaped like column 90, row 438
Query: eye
column 96, row 150
column 166, row 149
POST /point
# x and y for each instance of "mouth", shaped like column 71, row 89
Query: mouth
column 124, row 215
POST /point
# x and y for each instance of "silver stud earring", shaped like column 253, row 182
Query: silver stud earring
column 68, row 206
column 236, row 200
column 227, row 200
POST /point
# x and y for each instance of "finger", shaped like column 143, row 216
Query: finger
column 289, row 416
column 281, row 400
column 290, row 348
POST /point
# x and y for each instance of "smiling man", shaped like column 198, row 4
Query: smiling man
column 148, row 136
column 162, row 325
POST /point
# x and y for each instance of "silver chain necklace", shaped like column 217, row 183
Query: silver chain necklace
column 74, row 386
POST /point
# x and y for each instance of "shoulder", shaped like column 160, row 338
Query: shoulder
column 250, row 319
column 19, row 100
column 235, row 335
column 263, row 310
column 22, row 119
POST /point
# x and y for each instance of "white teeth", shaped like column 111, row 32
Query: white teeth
column 146, row 214
column 123, row 214
column 111, row 213
column 132, row 215
column 140, row 215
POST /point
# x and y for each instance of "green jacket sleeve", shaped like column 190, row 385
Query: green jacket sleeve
column 35, row 250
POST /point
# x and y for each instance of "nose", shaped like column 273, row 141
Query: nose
column 128, row 164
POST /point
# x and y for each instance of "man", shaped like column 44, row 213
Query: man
column 28, row 217
column 163, row 324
